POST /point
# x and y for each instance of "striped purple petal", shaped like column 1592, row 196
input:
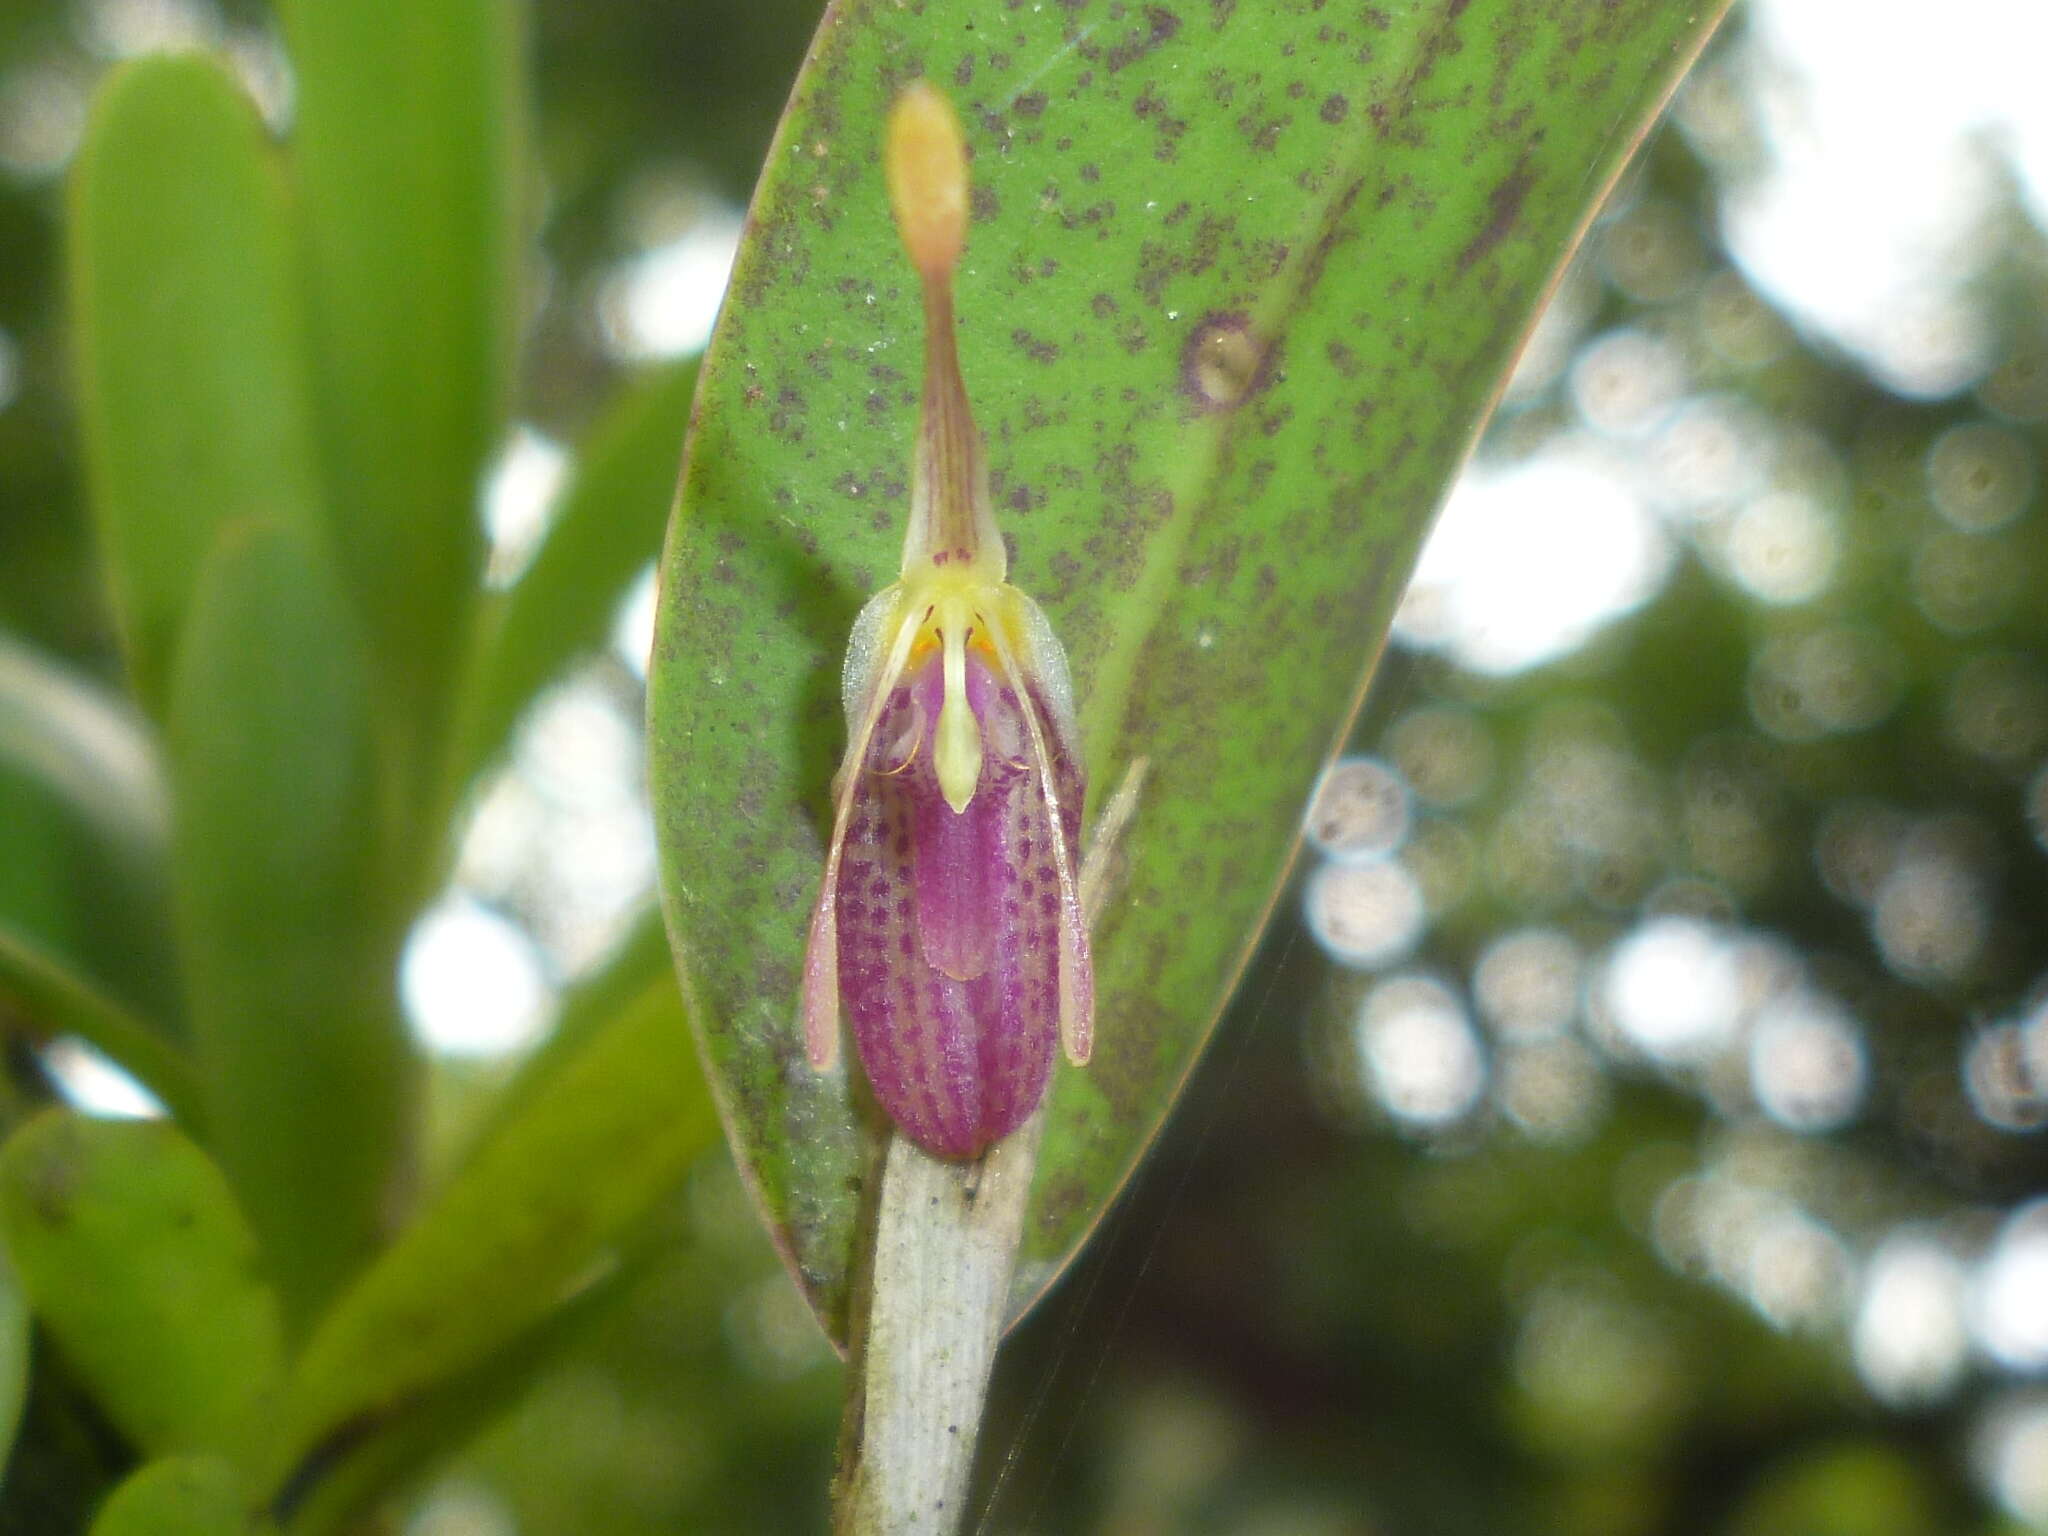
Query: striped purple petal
column 949, row 923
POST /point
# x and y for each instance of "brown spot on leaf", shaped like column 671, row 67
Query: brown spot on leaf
column 786, row 421
column 1261, row 133
column 1160, row 27
column 1037, row 350
column 1158, row 264
column 1031, row 105
column 1223, row 362
column 1095, row 214
column 1152, row 108
column 1506, row 203
column 1335, row 109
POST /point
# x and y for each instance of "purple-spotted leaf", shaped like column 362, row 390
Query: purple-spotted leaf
column 1240, row 284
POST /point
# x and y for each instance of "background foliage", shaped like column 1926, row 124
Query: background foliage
column 1578, row 1272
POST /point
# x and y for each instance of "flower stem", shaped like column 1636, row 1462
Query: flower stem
column 945, row 1244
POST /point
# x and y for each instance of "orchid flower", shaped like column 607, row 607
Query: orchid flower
column 950, row 921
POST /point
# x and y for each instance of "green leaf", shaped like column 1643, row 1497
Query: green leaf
column 55, row 1000
column 408, row 146
column 176, row 1496
column 1240, row 286
column 14, row 1355
column 84, row 829
column 1864, row 1487
column 365, row 1459
column 135, row 1258
column 606, row 531
column 526, row 1221
column 37, row 861
column 289, row 967
column 192, row 369
column 60, row 729
column 639, row 965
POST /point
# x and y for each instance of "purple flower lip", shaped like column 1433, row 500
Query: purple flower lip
column 953, row 936
column 949, row 921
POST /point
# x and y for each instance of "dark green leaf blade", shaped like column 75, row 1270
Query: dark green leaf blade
column 176, row 1496
column 84, row 830
column 52, row 999
column 14, row 1355
column 1240, row 287
column 408, row 148
column 135, row 1258
column 289, row 964
column 85, row 746
column 192, row 367
column 528, row 1216
column 337, row 1481
column 606, row 531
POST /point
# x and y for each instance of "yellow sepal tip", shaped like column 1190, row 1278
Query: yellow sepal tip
column 926, row 162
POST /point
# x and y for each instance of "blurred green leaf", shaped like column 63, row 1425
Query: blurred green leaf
column 289, row 967
column 14, row 1355
column 62, row 730
column 606, row 531
column 370, row 1455
column 136, row 1260
column 1240, row 287
column 84, row 830
column 1859, row 1488
column 639, row 965
column 55, row 1000
column 39, row 869
column 521, row 1225
column 408, row 144
column 192, row 370
column 176, row 1496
